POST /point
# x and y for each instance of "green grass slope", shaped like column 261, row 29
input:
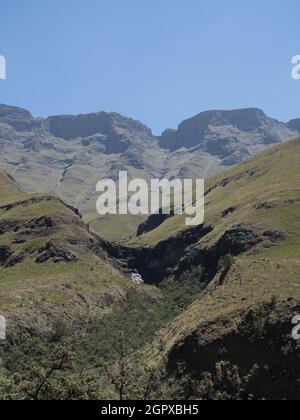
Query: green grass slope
column 243, row 319
column 51, row 267
column 262, row 192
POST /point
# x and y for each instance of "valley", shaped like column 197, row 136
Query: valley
column 212, row 318
column 210, row 291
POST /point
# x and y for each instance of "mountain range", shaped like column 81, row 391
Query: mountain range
column 67, row 155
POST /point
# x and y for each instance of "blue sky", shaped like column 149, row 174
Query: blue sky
column 158, row 61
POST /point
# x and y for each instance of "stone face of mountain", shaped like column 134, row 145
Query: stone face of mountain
column 10, row 113
column 115, row 133
column 294, row 125
column 17, row 118
column 68, row 155
column 229, row 135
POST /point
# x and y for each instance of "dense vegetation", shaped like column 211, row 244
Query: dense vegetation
column 53, row 368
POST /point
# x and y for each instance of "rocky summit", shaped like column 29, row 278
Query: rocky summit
column 230, row 135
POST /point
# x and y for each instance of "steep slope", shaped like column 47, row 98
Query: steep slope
column 232, row 196
column 51, row 267
column 252, row 259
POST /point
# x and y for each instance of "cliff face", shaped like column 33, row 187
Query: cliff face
column 17, row 118
column 294, row 125
column 14, row 113
column 231, row 135
column 116, row 131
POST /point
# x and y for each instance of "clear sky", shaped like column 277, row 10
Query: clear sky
column 159, row 61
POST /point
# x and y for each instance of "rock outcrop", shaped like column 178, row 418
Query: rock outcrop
column 231, row 135
column 294, row 125
column 55, row 252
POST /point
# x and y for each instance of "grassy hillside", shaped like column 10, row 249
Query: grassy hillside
column 216, row 326
column 62, row 294
column 51, row 266
column 59, row 288
column 262, row 192
column 252, row 255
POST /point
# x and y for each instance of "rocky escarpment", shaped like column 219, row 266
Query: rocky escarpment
column 113, row 131
column 72, row 126
column 22, row 234
column 230, row 135
column 294, row 125
column 18, row 118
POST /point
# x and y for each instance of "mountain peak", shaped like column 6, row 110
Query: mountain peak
column 8, row 111
column 227, row 124
column 85, row 125
column 18, row 118
column 294, row 125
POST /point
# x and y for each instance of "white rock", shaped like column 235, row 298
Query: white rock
column 137, row 278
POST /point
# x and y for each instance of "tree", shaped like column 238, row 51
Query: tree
column 55, row 378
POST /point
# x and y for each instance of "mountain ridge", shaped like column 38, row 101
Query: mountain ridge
column 67, row 155
column 250, row 115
